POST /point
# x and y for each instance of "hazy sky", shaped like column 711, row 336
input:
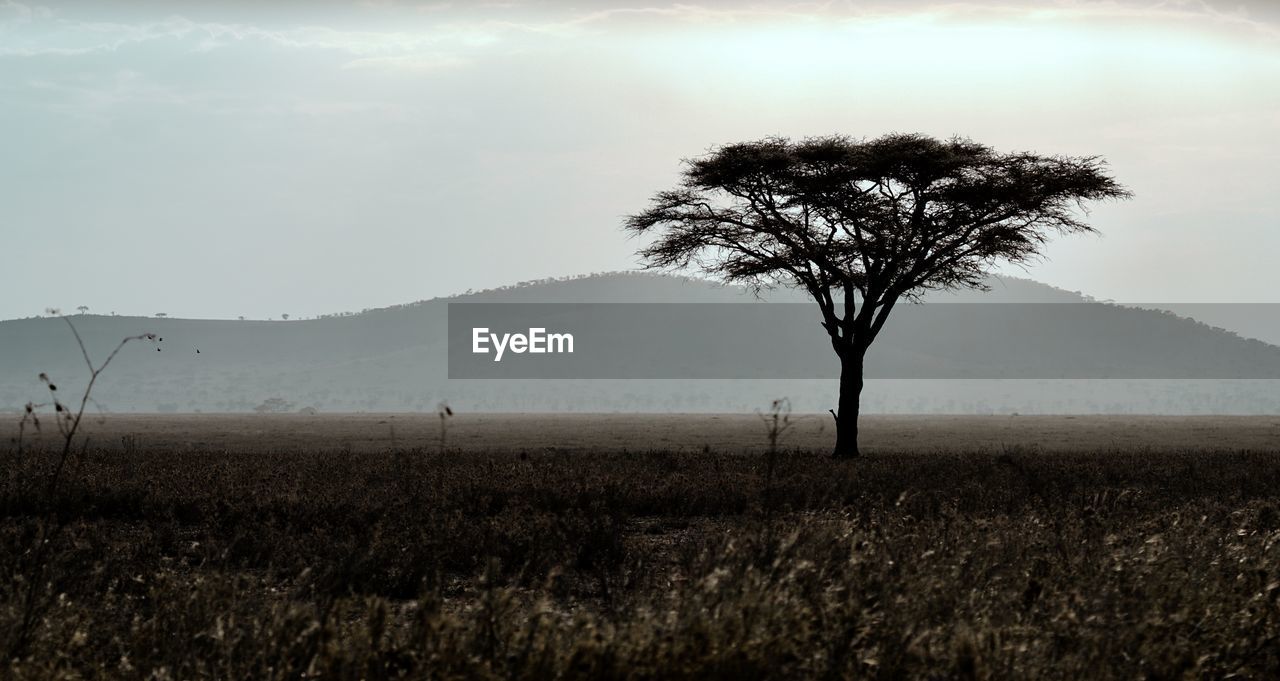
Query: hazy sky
column 215, row 159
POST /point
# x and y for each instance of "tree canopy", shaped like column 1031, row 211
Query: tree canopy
column 889, row 217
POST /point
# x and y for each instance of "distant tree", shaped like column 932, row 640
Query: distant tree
column 445, row 412
column 83, row 308
column 162, row 315
column 274, row 405
column 284, row 317
column 241, row 318
column 862, row 224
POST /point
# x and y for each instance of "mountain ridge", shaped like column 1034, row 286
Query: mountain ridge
column 392, row 358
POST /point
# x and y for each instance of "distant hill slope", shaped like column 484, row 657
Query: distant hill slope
column 393, row 359
column 644, row 287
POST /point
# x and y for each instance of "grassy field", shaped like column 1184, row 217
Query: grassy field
column 644, row 547
column 727, row 433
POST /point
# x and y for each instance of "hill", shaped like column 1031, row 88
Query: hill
column 393, row 359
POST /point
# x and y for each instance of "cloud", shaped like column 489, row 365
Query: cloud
column 18, row 12
column 79, row 38
column 1180, row 10
column 449, row 37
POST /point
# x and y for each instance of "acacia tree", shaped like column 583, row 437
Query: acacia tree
column 863, row 224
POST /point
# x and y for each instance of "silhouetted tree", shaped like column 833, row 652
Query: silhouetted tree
column 82, row 309
column 862, row 224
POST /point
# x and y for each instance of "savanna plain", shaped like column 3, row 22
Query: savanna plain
column 641, row 547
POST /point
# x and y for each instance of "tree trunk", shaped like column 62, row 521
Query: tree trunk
column 850, row 396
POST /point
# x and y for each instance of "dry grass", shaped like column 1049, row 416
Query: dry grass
column 737, row 433
column 527, row 562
